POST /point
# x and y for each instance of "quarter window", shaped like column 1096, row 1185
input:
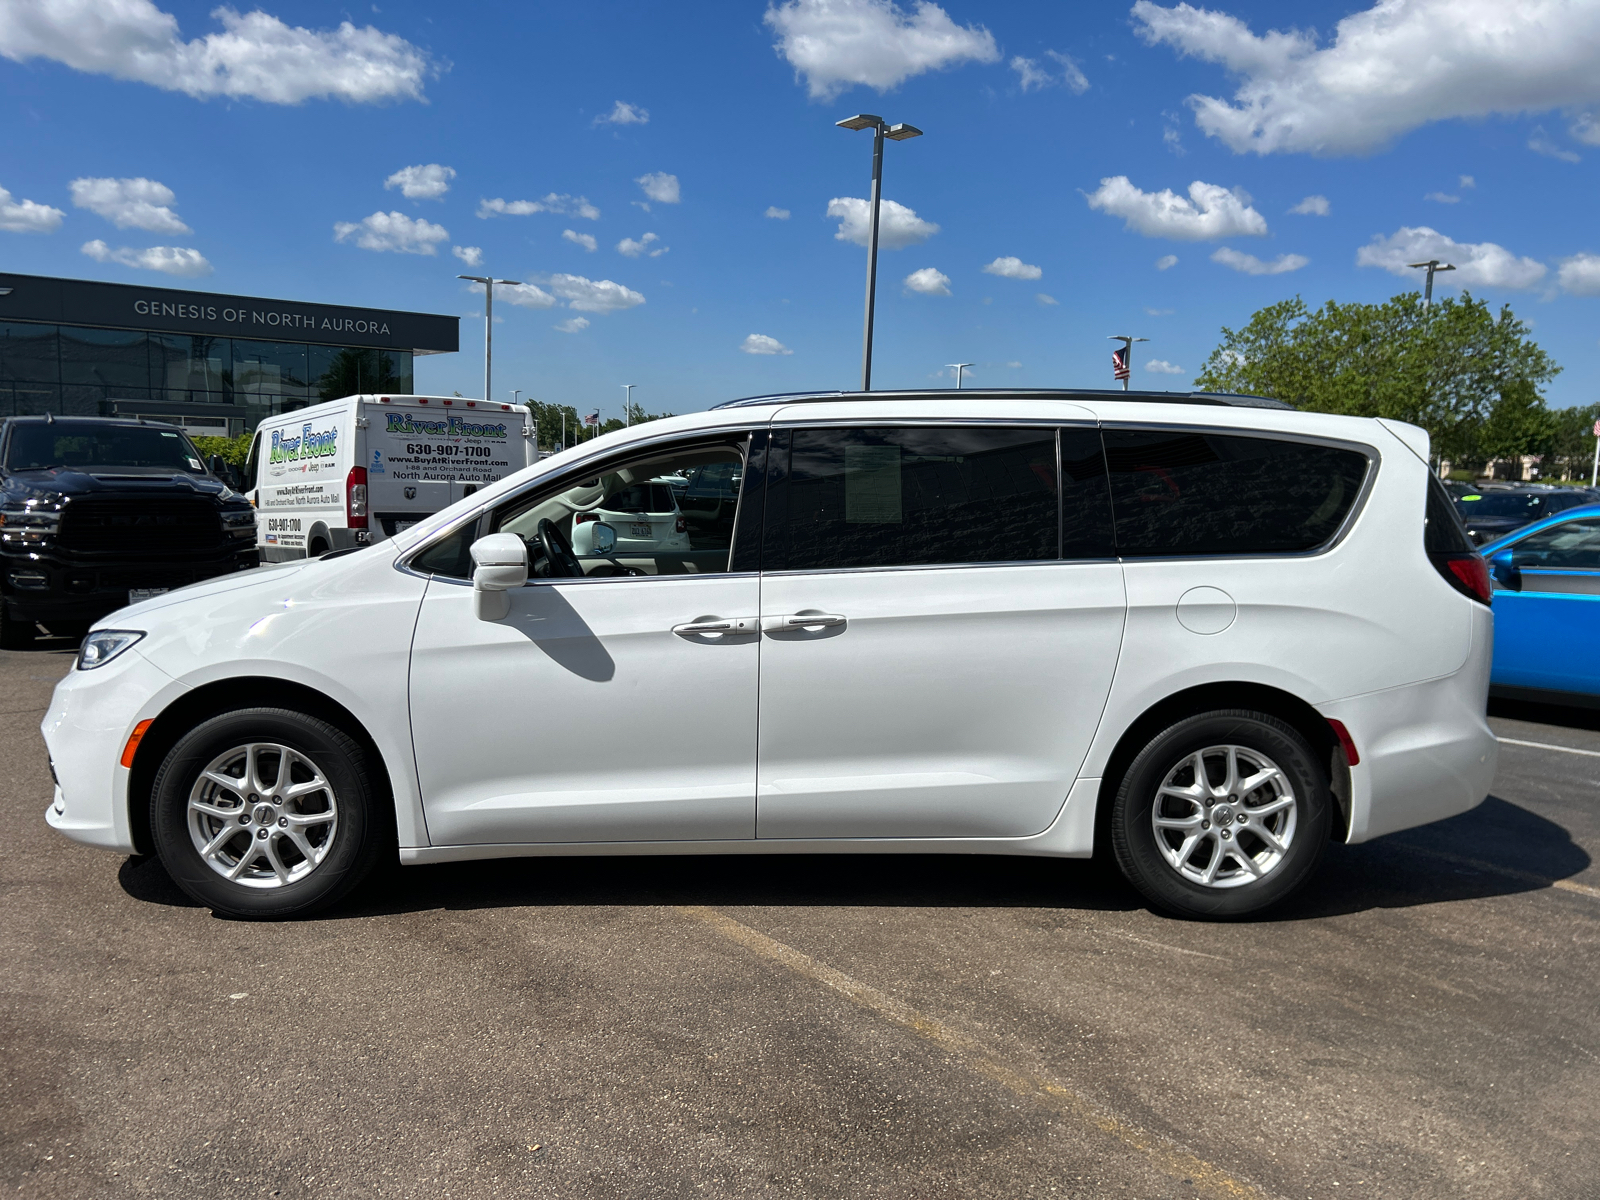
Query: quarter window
column 1177, row 493
column 892, row 496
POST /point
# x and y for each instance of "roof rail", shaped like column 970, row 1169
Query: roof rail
column 1227, row 399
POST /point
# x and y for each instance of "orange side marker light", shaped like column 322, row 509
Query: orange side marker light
column 134, row 739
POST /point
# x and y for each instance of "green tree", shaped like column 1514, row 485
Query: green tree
column 548, row 417
column 232, row 450
column 1468, row 376
column 1571, row 451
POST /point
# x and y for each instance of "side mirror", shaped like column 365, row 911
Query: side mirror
column 602, row 538
column 499, row 563
column 219, row 468
column 1507, row 574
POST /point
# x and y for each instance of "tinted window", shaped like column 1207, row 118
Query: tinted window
column 907, row 497
column 1176, row 493
column 640, row 498
column 1573, row 546
column 1444, row 533
column 452, row 556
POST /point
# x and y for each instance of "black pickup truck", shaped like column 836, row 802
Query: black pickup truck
column 97, row 513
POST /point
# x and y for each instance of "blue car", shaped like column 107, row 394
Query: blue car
column 1547, row 609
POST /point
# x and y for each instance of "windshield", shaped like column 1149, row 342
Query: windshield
column 1508, row 504
column 41, row 445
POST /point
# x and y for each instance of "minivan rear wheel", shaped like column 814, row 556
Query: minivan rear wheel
column 266, row 813
column 1221, row 815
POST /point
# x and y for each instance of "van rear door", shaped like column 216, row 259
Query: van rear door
column 424, row 454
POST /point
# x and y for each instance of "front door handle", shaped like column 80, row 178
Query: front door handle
column 716, row 625
column 800, row 621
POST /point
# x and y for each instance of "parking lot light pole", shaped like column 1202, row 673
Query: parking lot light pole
column 1433, row 264
column 627, row 404
column 488, row 324
column 895, row 133
column 958, row 368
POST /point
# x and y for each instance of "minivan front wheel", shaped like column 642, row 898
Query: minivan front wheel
column 1221, row 815
column 265, row 813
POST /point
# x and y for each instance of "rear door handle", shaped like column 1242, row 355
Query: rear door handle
column 800, row 621
column 716, row 625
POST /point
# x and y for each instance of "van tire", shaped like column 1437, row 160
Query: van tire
column 317, row 548
column 351, row 845
column 1296, row 795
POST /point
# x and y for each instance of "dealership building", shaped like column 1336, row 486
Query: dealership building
column 214, row 364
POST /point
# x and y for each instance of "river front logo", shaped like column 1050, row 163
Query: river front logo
column 450, row 426
column 312, row 443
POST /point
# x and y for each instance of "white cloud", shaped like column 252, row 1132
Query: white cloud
column 1442, row 198
column 660, row 187
column 1251, row 265
column 1482, row 264
column 838, row 44
column 1210, row 212
column 624, row 114
column 425, row 181
column 898, row 226
column 25, row 216
column 776, row 213
column 130, row 203
column 586, row 240
column 1391, row 68
column 1585, row 129
column 523, row 295
column 1045, row 298
column 1160, row 312
column 562, row 204
column 928, row 282
column 760, row 343
column 392, row 231
column 1030, row 75
column 255, row 56
column 1013, row 268
column 629, row 248
column 1312, row 206
column 170, row 260
column 572, row 325
column 1580, row 275
column 1166, row 262
column 593, row 296
column 471, row 255
column 1539, row 142
column 1161, row 366
column 1467, row 181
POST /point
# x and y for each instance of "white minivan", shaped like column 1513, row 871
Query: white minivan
column 1205, row 634
column 362, row 469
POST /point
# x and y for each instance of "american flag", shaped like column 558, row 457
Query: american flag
column 593, row 418
column 1119, row 363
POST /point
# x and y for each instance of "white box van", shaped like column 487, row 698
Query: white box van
column 361, row 469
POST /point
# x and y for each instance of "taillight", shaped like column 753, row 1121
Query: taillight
column 683, row 524
column 1467, row 573
column 355, row 498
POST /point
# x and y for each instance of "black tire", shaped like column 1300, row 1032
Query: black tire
column 357, row 837
column 15, row 634
column 317, row 548
column 1235, row 892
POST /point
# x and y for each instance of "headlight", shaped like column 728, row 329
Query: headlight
column 240, row 523
column 101, row 646
column 28, row 528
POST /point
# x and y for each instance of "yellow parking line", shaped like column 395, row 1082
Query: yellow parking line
column 1164, row 1154
column 1566, row 885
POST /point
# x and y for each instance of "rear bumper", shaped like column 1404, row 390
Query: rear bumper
column 1426, row 749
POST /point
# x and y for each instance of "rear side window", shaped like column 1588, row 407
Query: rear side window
column 889, row 497
column 1443, row 532
column 1183, row 493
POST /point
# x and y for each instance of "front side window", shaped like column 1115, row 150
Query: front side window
column 893, row 496
column 1571, row 546
column 1180, row 493
column 625, row 518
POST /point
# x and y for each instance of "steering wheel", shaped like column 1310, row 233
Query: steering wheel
column 558, row 551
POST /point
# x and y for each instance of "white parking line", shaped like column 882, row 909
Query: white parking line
column 1548, row 746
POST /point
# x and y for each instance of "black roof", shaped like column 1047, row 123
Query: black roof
column 1227, row 399
column 53, row 419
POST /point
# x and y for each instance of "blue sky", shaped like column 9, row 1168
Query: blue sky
column 255, row 150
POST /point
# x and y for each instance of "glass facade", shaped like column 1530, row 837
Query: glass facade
column 79, row 371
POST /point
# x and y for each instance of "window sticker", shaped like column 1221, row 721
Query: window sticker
column 872, row 485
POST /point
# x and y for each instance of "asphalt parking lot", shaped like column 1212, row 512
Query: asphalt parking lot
column 1423, row 1023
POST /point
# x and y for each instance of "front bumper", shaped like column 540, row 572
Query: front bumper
column 89, row 720
column 42, row 587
